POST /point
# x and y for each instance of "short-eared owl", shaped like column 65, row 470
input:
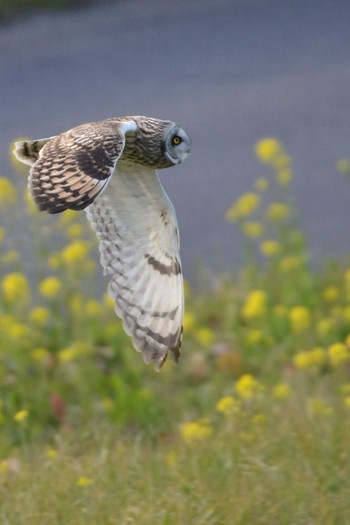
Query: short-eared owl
column 109, row 168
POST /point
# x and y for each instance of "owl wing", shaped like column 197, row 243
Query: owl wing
column 136, row 225
column 74, row 167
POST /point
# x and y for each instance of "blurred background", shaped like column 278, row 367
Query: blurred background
column 229, row 71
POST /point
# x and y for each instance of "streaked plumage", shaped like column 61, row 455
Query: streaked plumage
column 109, row 168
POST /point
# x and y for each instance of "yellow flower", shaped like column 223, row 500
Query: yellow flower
column 254, row 337
column 84, row 481
column 93, row 308
column 277, row 211
column 76, row 304
column 311, row 359
column 243, row 207
column 195, row 430
column 317, row 406
column 189, row 321
column 227, row 405
column 8, row 193
column 281, row 391
column 255, row 305
column 248, row 387
column 40, row 354
column 269, row 248
column 261, row 184
column 16, row 288
column 324, row 327
column 76, row 252
column 4, row 466
column 299, row 318
column 39, row 316
column 204, row 336
column 343, row 166
column 338, row 353
column 66, row 355
column 50, row 287
column 67, row 217
column 330, row 294
column 284, row 176
column 252, row 229
column 74, row 231
column 51, row 453
column 21, row 415
column 347, row 401
column 290, row 263
column 268, row 149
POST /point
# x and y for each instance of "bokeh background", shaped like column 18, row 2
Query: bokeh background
column 229, row 71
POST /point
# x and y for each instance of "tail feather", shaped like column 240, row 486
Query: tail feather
column 27, row 151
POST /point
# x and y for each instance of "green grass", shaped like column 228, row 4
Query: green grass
column 251, row 427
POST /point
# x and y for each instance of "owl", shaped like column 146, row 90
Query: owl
column 108, row 168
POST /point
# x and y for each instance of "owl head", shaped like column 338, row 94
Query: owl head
column 159, row 143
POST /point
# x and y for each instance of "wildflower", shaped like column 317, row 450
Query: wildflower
column 343, row 166
column 269, row 248
column 299, row 318
column 4, row 466
column 108, row 301
column 261, row 184
column 67, row 217
column 330, row 294
column 324, row 326
column 76, row 304
column 66, row 355
column 50, row 287
column 84, row 481
column 93, row 308
column 227, row 405
column 75, row 231
column 317, row 406
column 255, row 305
column 281, row 391
column 21, row 415
column 76, row 252
column 338, row 353
column 252, row 229
column 243, row 207
column 16, row 288
column 204, row 336
column 284, row 176
column 40, row 354
column 268, row 149
column 254, row 337
column 311, row 359
column 189, row 321
column 277, row 211
column 39, row 316
column 194, row 431
column 8, row 193
column 248, row 387
column 291, row 262
column 51, row 453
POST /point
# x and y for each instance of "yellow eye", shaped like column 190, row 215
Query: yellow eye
column 177, row 140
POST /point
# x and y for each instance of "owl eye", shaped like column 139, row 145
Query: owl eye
column 176, row 140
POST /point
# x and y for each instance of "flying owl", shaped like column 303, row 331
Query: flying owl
column 108, row 168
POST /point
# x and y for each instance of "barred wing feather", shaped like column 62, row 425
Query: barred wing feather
column 139, row 248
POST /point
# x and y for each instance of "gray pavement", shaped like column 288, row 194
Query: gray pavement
column 230, row 72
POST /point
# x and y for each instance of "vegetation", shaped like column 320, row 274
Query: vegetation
column 251, row 427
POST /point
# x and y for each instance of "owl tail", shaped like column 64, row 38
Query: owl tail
column 27, row 151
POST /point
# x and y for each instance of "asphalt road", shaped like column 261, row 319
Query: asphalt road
column 230, row 72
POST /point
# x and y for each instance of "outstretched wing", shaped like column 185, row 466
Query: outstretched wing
column 139, row 246
column 74, row 167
